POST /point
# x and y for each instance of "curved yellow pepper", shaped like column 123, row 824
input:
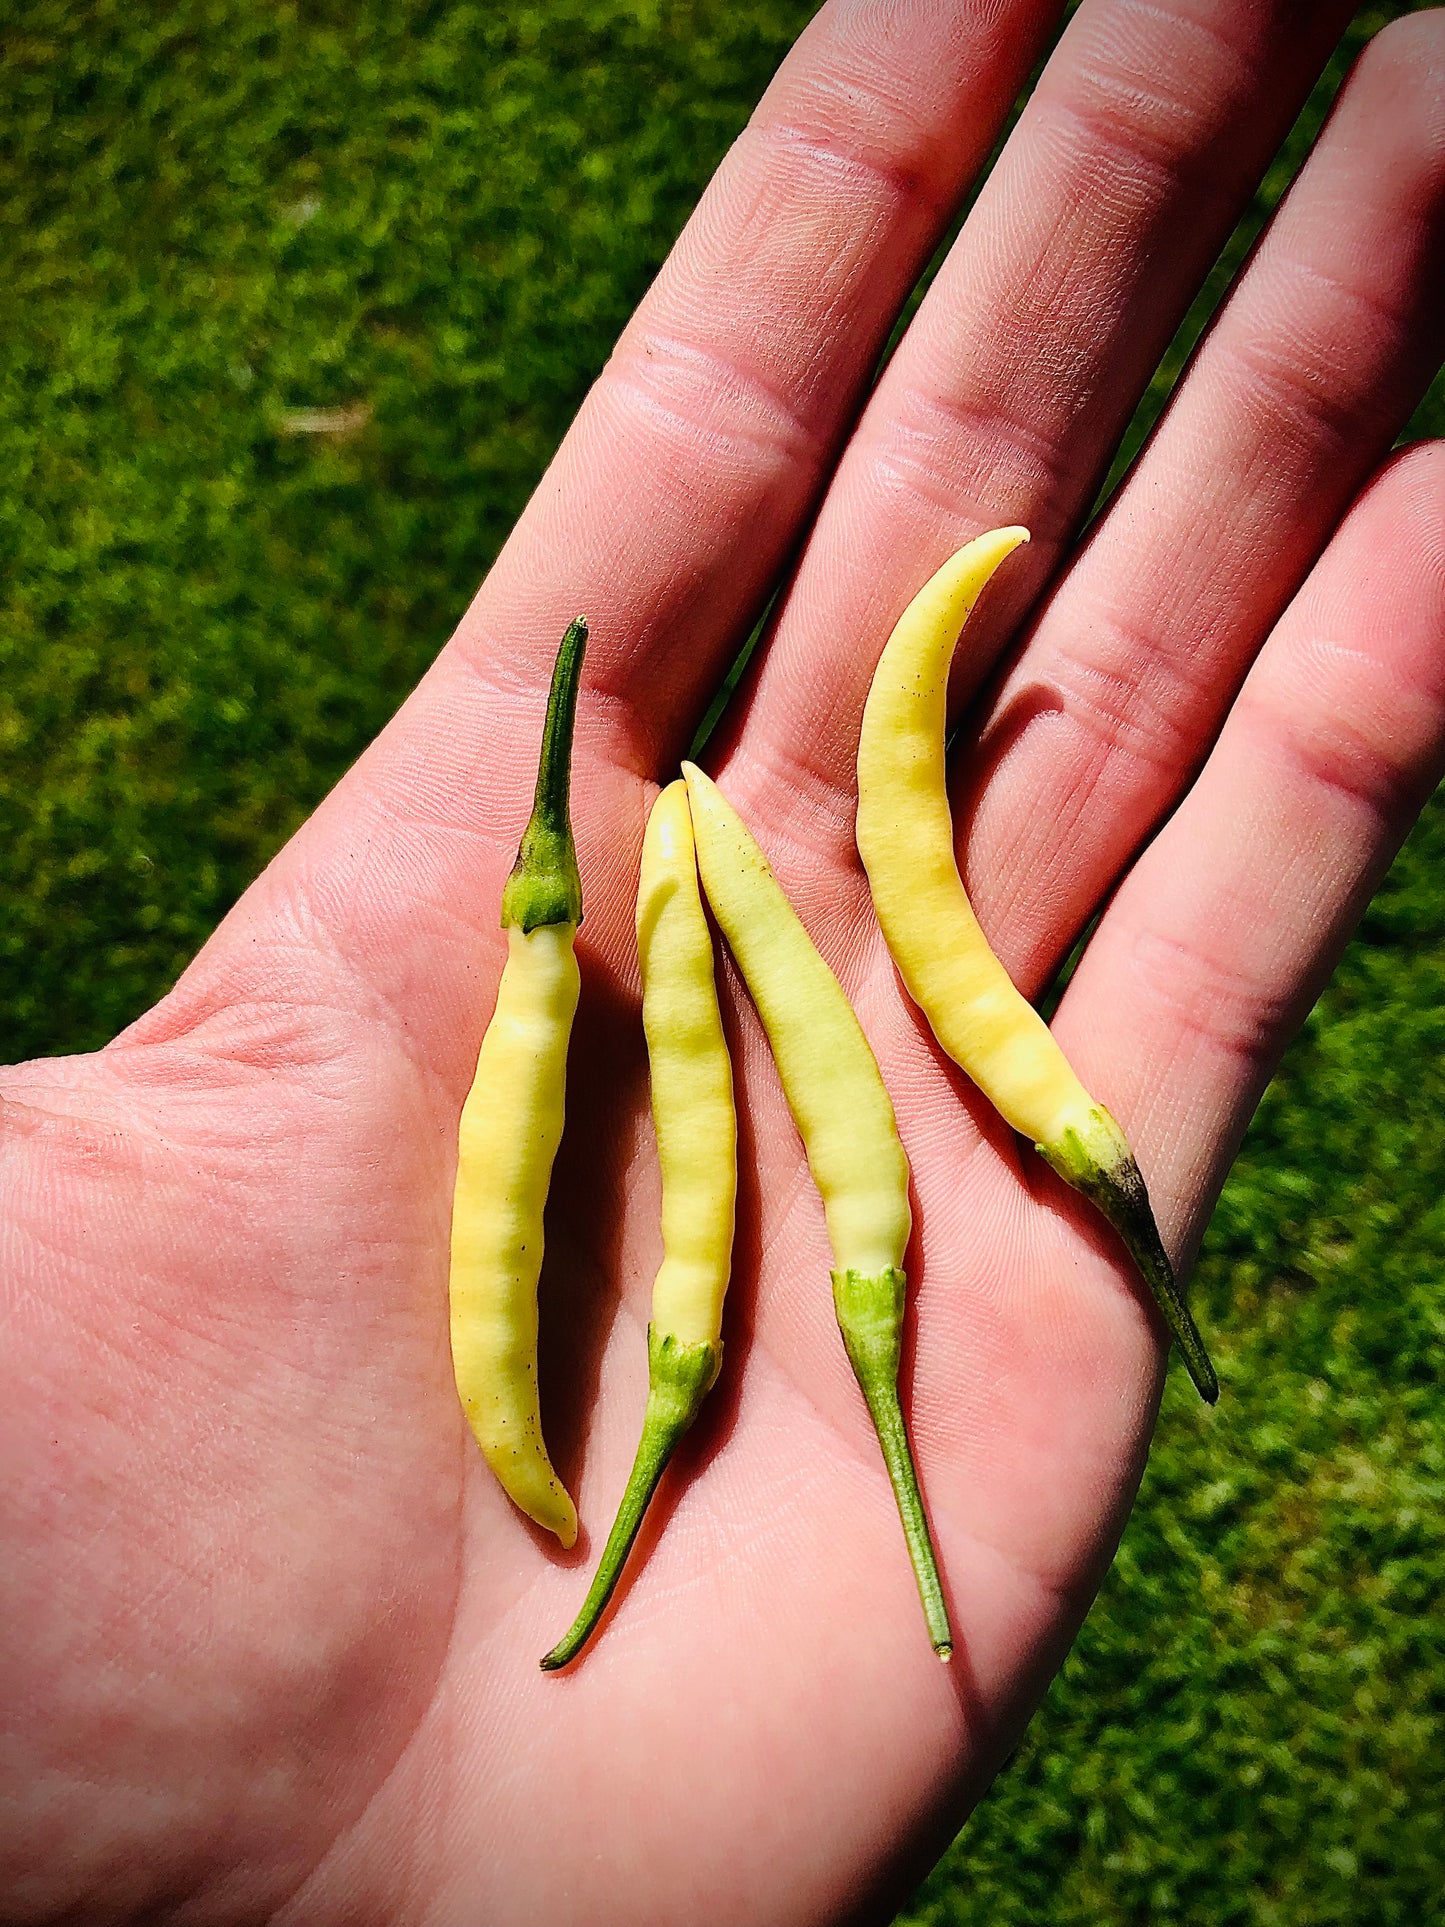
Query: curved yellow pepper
column 692, row 1080
column 511, row 1125
column 692, row 1107
column 905, row 838
column 845, row 1119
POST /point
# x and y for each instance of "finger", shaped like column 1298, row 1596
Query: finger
column 1226, row 928
column 668, row 508
column 1309, row 373
column 1007, row 397
column 681, row 487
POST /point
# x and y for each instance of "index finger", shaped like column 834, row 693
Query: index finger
column 684, row 482
column 674, row 499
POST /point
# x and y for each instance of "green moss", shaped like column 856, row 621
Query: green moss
column 223, row 217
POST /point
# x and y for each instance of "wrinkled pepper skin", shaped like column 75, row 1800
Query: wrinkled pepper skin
column 510, row 1127
column 845, row 1119
column 988, row 1028
column 697, row 1131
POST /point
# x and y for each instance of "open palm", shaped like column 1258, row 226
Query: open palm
column 274, row 1628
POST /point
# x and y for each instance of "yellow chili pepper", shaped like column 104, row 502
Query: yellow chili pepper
column 905, row 837
column 511, row 1125
column 834, row 1089
column 692, row 1106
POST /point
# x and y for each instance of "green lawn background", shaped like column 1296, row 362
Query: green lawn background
column 223, row 216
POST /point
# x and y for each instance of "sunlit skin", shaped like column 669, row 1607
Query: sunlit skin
column 272, row 1627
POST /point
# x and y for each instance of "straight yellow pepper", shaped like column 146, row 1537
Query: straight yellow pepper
column 692, row 1107
column 511, row 1125
column 905, row 838
column 835, row 1092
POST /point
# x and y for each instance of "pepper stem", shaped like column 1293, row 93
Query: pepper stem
column 1105, row 1170
column 870, row 1317
column 679, row 1379
column 544, row 886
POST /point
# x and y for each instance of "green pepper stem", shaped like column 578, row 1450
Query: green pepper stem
column 679, row 1379
column 1107, row 1173
column 544, row 886
column 870, row 1317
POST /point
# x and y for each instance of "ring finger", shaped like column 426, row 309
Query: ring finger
column 1311, row 370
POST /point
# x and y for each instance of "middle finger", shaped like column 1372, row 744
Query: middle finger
column 1005, row 400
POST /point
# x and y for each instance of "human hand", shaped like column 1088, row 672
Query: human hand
column 280, row 1626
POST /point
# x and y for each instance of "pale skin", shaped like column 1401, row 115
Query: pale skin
column 272, row 1627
